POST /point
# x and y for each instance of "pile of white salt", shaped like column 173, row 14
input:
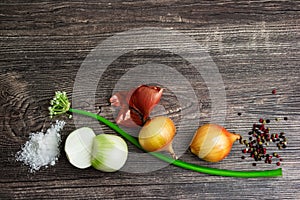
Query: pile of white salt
column 42, row 149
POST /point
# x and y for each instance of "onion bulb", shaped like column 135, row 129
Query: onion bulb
column 212, row 142
column 78, row 147
column 104, row 152
column 109, row 153
column 157, row 135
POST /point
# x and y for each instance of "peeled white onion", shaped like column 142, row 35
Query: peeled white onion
column 78, row 147
column 109, row 153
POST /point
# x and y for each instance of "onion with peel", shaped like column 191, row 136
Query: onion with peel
column 157, row 135
column 212, row 142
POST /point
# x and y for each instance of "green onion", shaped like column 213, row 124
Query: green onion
column 134, row 141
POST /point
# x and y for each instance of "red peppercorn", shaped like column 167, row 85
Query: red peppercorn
column 264, row 150
column 261, row 120
column 244, row 150
column 269, row 161
column 278, row 163
column 258, row 140
column 274, row 91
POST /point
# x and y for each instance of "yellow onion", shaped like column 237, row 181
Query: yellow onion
column 136, row 104
column 157, row 135
column 212, row 142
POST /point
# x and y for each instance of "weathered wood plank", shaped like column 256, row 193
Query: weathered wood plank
column 255, row 45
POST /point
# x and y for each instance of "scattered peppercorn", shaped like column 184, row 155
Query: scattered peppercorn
column 285, row 118
column 259, row 138
column 274, row 91
column 239, row 114
column 278, row 163
column 254, row 164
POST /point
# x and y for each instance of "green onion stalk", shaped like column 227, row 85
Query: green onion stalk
column 61, row 105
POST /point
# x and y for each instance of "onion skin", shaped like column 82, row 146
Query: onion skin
column 136, row 104
column 121, row 100
column 142, row 102
column 157, row 135
column 212, row 142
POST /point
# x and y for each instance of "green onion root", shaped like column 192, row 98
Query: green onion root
column 180, row 163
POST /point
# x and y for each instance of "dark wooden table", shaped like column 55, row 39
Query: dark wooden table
column 254, row 44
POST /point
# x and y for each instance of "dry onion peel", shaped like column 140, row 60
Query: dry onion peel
column 136, row 104
column 179, row 163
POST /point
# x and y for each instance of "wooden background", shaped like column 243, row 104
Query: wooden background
column 255, row 45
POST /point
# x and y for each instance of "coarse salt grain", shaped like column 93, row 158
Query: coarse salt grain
column 42, row 149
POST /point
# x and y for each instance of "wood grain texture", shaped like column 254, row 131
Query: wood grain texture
column 254, row 44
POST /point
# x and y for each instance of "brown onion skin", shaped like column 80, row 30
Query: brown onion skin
column 212, row 142
column 142, row 102
column 136, row 104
